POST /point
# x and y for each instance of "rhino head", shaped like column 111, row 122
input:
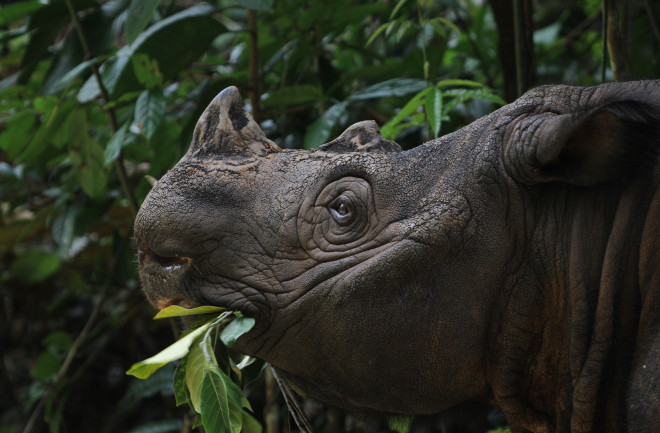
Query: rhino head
column 409, row 282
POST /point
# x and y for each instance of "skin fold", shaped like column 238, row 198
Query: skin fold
column 513, row 262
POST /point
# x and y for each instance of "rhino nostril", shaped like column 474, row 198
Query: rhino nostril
column 171, row 262
column 146, row 255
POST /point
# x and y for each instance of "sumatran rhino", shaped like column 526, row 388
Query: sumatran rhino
column 515, row 261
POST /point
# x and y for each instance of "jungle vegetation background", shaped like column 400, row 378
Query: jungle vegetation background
column 96, row 95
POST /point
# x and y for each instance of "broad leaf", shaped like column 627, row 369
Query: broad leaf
column 149, row 111
column 292, row 95
column 196, row 366
column 163, row 426
column 34, row 266
column 214, row 404
column 181, row 393
column 18, row 134
column 235, row 329
column 147, row 71
column 146, row 368
column 319, row 131
column 110, row 72
column 174, row 43
column 433, row 108
column 389, row 88
column 178, row 311
column 11, row 12
column 408, row 109
column 66, row 79
column 86, row 155
column 115, row 144
column 138, row 16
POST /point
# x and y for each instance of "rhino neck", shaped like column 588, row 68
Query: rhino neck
column 576, row 312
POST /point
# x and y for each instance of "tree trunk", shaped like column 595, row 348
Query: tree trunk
column 516, row 45
column 618, row 38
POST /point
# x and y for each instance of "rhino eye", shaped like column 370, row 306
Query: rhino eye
column 341, row 210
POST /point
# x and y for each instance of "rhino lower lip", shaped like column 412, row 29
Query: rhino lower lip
column 181, row 302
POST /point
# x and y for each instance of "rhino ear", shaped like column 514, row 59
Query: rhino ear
column 613, row 141
column 227, row 129
column 361, row 137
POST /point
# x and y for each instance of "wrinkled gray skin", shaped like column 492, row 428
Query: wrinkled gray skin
column 515, row 262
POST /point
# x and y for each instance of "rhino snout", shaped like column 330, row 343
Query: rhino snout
column 162, row 276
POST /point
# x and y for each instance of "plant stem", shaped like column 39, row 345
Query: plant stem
column 254, row 65
column 119, row 161
column 654, row 23
column 603, row 64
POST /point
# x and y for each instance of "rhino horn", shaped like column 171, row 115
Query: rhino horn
column 361, row 137
column 226, row 128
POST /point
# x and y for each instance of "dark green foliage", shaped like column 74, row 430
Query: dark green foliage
column 74, row 151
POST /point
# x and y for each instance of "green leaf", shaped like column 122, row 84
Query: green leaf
column 261, row 5
column 93, row 179
column 196, row 366
column 292, row 95
column 463, row 95
column 174, row 43
column 445, row 22
column 137, row 17
column 249, row 424
column 408, row 109
column 181, row 393
column 115, row 144
column 64, row 81
column 400, row 424
column 214, row 404
column 12, row 12
column 58, row 342
column 63, row 229
column 433, row 108
column 149, row 111
column 235, row 329
column 457, row 82
column 178, row 311
column 46, row 366
column 158, row 383
column 34, row 266
column 86, row 155
column 20, row 128
column 375, row 34
column 110, row 72
column 319, row 131
column 163, row 426
column 179, row 349
column 396, row 9
column 389, row 88
column 147, row 71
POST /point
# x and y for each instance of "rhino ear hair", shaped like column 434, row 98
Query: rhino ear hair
column 615, row 141
column 226, row 128
column 361, row 137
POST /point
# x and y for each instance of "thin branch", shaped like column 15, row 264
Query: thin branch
column 654, row 23
column 119, row 161
column 603, row 65
column 254, row 65
column 518, row 45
